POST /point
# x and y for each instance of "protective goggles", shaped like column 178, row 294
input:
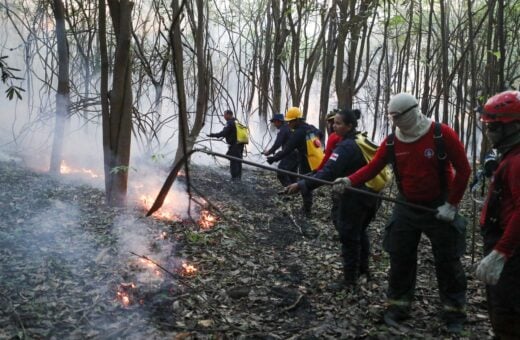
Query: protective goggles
column 399, row 114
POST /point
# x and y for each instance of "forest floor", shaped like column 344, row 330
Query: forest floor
column 71, row 267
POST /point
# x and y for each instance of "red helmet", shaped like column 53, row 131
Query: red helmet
column 503, row 107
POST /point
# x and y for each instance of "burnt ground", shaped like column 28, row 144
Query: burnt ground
column 262, row 270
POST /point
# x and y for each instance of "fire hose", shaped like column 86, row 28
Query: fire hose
column 171, row 177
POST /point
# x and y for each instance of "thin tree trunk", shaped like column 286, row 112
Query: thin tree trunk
column 63, row 94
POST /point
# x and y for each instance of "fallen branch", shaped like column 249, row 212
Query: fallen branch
column 288, row 308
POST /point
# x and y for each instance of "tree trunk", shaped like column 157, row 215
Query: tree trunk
column 63, row 94
column 117, row 119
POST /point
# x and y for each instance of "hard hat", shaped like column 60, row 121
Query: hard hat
column 503, row 107
column 331, row 114
column 293, row 113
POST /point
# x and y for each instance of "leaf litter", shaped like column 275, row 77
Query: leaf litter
column 261, row 271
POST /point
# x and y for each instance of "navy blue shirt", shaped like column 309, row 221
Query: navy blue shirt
column 346, row 159
column 229, row 132
column 283, row 136
column 297, row 141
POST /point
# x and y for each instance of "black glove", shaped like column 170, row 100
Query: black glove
column 209, row 135
column 270, row 159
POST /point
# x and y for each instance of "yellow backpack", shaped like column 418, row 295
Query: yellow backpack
column 242, row 133
column 369, row 148
column 314, row 148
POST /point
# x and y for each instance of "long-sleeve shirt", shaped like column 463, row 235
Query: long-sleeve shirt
column 229, row 132
column 332, row 141
column 418, row 167
column 297, row 141
column 509, row 206
column 344, row 159
column 282, row 137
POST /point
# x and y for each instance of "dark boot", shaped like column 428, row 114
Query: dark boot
column 394, row 316
column 342, row 284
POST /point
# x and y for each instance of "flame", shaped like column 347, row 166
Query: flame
column 165, row 212
column 65, row 169
column 125, row 293
column 206, row 220
column 188, row 269
column 151, row 265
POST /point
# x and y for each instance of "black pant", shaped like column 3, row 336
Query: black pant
column 351, row 215
column 289, row 163
column 402, row 236
column 235, row 167
column 504, row 300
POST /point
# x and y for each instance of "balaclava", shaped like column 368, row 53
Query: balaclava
column 505, row 136
column 411, row 124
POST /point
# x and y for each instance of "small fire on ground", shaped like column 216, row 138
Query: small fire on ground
column 66, row 169
column 188, row 269
column 207, row 220
column 126, row 293
column 150, row 265
column 165, row 213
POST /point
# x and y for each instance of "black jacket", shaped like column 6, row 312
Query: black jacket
column 283, row 136
column 229, row 132
column 298, row 141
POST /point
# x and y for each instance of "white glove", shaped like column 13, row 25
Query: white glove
column 341, row 184
column 491, row 266
column 446, row 212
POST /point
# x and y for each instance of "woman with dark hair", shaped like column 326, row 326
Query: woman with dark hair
column 351, row 212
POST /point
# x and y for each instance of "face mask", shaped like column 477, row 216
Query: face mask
column 495, row 133
column 404, row 120
column 503, row 135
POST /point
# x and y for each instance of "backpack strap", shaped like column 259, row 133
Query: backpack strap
column 390, row 158
column 441, row 157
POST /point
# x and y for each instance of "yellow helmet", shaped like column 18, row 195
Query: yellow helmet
column 293, row 113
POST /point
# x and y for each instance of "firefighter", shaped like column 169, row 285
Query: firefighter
column 235, row 149
column 351, row 212
column 298, row 142
column 424, row 177
column 332, row 140
column 500, row 218
column 289, row 162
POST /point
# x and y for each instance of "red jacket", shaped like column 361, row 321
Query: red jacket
column 509, row 211
column 418, row 167
column 331, row 144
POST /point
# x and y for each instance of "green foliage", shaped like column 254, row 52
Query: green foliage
column 157, row 157
column 121, row 168
column 497, row 54
column 8, row 76
column 396, row 21
column 196, row 238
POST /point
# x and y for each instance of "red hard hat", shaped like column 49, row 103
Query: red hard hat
column 503, row 107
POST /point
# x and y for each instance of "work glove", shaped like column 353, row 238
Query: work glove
column 446, row 212
column 341, row 184
column 270, row 160
column 491, row 266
